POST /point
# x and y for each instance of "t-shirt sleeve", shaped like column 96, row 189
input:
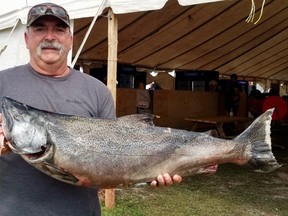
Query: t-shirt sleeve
column 108, row 108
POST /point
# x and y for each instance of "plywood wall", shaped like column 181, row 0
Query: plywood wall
column 126, row 101
column 172, row 106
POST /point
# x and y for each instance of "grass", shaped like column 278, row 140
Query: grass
column 233, row 190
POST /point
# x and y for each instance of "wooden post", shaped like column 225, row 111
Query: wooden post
column 111, row 81
column 112, row 53
column 109, row 198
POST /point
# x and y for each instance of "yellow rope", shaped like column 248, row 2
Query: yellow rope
column 261, row 13
column 251, row 16
column 252, row 12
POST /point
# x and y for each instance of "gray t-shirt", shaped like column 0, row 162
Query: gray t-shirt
column 26, row 191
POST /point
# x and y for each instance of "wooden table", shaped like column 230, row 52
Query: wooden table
column 218, row 121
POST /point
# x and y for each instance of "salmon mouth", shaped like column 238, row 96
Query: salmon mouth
column 36, row 155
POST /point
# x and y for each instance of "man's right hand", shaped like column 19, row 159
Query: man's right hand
column 4, row 148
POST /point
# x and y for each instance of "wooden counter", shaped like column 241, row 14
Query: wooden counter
column 218, row 121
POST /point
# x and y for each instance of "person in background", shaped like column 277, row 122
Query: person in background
column 254, row 92
column 255, row 102
column 213, row 86
column 141, row 86
column 143, row 99
column 274, row 100
column 232, row 95
column 47, row 83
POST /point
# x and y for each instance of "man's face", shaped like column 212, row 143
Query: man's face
column 48, row 40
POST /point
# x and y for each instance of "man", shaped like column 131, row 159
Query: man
column 232, row 95
column 47, row 83
column 274, row 100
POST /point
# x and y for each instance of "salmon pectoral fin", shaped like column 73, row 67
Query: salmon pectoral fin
column 211, row 169
column 59, row 173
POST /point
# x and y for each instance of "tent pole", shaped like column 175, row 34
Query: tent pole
column 112, row 53
column 111, row 80
column 100, row 9
column 5, row 44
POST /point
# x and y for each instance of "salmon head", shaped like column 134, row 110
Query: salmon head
column 23, row 127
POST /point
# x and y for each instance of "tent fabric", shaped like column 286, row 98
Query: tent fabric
column 16, row 52
column 13, row 48
column 18, row 9
column 210, row 37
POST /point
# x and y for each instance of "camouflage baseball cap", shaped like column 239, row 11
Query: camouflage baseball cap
column 47, row 9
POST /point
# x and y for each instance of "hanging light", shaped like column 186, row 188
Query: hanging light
column 172, row 73
column 154, row 73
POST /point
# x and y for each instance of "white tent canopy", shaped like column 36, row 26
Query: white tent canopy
column 12, row 47
column 17, row 9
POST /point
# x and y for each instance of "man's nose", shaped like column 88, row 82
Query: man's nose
column 50, row 35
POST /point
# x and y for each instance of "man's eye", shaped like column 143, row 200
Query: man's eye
column 60, row 29
column 39, row 29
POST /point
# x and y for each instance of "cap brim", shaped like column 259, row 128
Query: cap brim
column 45, row 15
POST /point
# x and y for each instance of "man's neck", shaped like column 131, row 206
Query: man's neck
column 51, row 69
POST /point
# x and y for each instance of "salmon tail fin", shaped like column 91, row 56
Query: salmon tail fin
column 258, row 135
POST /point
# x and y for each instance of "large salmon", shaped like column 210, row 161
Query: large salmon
column 114, row 153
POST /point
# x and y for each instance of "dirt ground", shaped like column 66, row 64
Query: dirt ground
column 281, row 175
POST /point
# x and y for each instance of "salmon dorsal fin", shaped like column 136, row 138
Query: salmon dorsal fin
column 212, row 132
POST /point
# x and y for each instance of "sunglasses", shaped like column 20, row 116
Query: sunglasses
column 40, row 10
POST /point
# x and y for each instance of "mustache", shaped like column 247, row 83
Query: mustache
column 51, row 45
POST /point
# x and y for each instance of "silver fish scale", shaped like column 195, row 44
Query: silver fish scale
column 110, row 149
column 108, row 139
